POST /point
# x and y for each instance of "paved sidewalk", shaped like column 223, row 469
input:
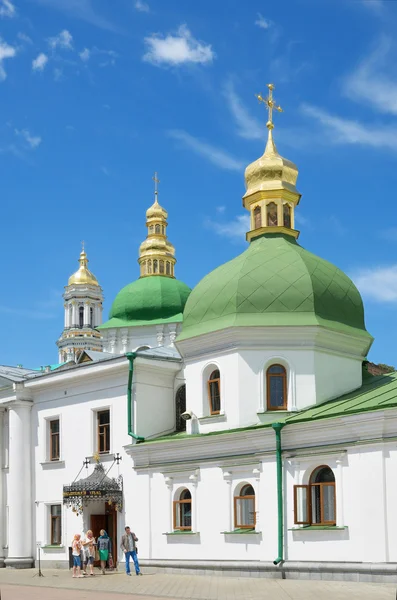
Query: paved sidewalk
column 179, row 587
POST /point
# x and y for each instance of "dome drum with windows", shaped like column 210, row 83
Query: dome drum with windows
column 275, row 282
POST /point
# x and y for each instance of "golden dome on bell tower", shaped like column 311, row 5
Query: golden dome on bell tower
column 83, row 275
column 271, row 195
column 156, row 253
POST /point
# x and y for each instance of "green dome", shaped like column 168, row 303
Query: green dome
column 275, row 282
column 148, row 301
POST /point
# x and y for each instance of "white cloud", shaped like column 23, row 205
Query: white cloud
column 142, row 6
column 24, row 38
column 31, row 140
column 63, row 40
column 377, row 283
column 58, row 74
column 247, row 126
column 346, row 131
column 376, row 6
column 40, row 62
column 215, row 155
column 85, row 55
column 6, row 51
column 7, row 9
column 374, row 81
column 262, row 22
column 179, row 49
column 235, row 229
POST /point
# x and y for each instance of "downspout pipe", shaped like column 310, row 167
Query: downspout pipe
column 130, row 418
column 280, row 516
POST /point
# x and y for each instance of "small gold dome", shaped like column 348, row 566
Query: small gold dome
column 83, row 275
column 271, row 171
column 156, row 211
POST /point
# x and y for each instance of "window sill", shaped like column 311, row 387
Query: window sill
column 282, row 411
column 52, row 463
column 241, row 532
column 181, row 533
column 58, row 547
column 318, row 528
column 213, row 418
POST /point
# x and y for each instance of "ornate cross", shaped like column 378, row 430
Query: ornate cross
column 86, row 462
column 156, row 182
column 270, row 104
column 82, row 246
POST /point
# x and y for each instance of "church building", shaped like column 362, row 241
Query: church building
column 234, row 427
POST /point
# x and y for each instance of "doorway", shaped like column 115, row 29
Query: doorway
column 107, row 521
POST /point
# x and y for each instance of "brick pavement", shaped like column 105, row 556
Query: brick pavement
column 57, row 585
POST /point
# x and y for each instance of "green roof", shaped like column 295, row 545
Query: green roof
column 275, row 282
column 376, row 393
column 148, row 301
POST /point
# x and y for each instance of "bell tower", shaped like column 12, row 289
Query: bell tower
column 83, row 313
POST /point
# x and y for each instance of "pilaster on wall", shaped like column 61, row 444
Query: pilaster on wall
column 2, row 495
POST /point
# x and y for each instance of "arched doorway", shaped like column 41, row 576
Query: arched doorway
column 180, row 407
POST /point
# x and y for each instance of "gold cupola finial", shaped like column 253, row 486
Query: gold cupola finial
column 83, row 276
column 271, row 194
column 156, row 253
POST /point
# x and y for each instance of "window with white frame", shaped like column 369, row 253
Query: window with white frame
column 315, row 503
column 244, row 508
column 55, row 515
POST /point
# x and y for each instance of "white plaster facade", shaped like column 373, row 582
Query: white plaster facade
column 360, row 449
column 119, row 340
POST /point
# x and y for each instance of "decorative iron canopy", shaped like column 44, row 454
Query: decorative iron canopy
column 96, row 487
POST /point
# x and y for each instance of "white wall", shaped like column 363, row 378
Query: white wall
column 119, row 340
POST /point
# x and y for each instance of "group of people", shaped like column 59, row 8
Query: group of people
column 84, row 552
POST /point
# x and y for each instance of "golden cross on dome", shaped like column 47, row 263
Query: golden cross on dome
column 270, row 104
column 83, row 246
column 156, row 182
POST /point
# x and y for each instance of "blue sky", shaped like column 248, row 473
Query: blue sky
column 95, row 95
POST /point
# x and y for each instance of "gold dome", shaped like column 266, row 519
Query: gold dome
column 156, row 211
column 83, row 276
column 271, row 171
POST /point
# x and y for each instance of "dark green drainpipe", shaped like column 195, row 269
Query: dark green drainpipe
column 280, row 518
column 131, row 357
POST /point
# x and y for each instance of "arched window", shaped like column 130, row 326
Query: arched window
column 315, row 504
column 180, row 407
column 287, row 215
column 157, row 228
column 244, row 508
column 161, row 266
column 271, row 213
column 81, row 316
column 183, row 511
column 91, row 317
column 257, row 217
column 167, row 268
column 214, row 392
column 276, row 388
column 155, row 266
column 151, row 228
column 149, row 267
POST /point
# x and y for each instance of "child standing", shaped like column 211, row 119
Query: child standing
column 76, row 550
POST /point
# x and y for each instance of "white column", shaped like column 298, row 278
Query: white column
column 98, row 315
column 86, row 313
column 19, row 487
column 66, row 315
column 195, row 520
column 2, row 495
column 74, row 315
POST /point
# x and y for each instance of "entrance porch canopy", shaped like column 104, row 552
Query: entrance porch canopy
column 97, row 487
